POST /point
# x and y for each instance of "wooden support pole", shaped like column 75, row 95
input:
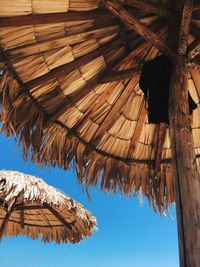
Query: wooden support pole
column 185, row 175
column 186, row 178
column 6, row 218
column 3, row 225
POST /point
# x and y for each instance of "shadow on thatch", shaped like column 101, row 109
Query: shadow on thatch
column 70, row 93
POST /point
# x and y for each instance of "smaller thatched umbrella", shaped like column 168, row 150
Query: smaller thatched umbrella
column 28, row 206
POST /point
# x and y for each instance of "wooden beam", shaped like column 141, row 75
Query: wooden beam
column 196, row 14
column 185, row 27
column 67, row 68
column 137, row 131
column 43, row 46
column 60, row 218
column 114, row 65
column 148, row 7
column 185, row 176
column 22, row 218
column 193, row 49
column 114, row 76
column 138, row 49
column 43, row 215
column 39, row 225
column 34, row 19
column 160, row 141
column 195, row 31
column 194, row 66
column 143, row 31
column 196, row 7
column 20, row 207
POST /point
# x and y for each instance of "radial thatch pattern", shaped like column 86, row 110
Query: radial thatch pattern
column 69, row 91
column 29, row 206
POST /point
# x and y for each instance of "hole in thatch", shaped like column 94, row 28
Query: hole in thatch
column 1, row 72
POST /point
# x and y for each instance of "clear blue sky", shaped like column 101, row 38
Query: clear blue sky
column 128, row 236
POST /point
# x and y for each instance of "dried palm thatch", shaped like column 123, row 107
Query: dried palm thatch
column 29, row 206
column 69, row 91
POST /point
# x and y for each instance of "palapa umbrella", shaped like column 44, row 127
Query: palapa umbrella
column 29, row 206
column 69, row 91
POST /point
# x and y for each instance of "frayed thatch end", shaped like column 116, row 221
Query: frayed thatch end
column 69, row 93
column 54, row 144
column 47, row 212
column 116, row 175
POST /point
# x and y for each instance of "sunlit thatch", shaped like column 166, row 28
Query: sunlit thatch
column 29, row 206
column 70, row 92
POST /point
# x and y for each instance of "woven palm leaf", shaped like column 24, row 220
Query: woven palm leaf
column 29, row 206
column 69, row 92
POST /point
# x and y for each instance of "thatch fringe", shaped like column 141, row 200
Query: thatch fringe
column 53, row 145
column 69, row 93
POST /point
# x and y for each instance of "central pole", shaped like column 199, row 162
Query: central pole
column 185, row 175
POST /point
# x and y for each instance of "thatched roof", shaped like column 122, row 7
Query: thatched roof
column 29, row 206
column 69, row 91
